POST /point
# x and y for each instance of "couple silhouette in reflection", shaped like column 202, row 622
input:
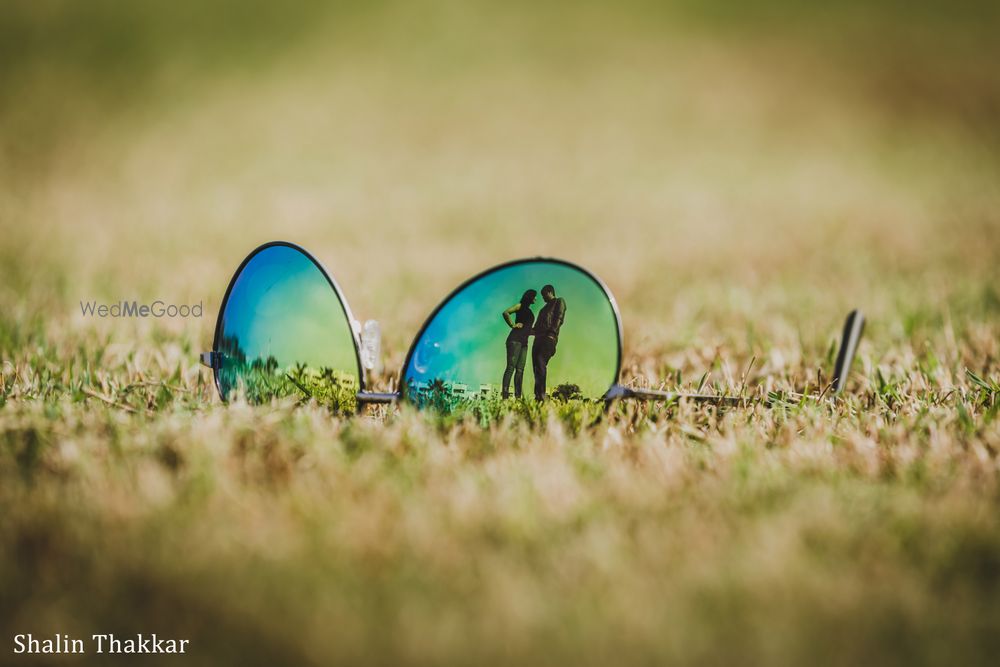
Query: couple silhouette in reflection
column 545, row 329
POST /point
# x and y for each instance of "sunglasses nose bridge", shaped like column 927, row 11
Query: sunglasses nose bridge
column 371, row 346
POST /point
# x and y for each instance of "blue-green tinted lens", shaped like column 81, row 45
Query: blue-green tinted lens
column 283, row 331
column 504, row 336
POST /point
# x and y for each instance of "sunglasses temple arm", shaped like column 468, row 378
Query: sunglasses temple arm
column 377, row 398
column 619, row 392
column 854, row 327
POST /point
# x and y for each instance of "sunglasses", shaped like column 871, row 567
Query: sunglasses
column 529, row 329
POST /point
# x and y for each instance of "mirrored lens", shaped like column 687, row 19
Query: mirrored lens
column 285, row 332
column 535, row 329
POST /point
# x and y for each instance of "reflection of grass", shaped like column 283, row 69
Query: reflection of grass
column 261, row 380
column 739, row 190
column 261, row 383
column 450, row 408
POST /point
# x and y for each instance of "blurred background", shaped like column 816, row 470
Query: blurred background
column 741, row 174
column 707, row 158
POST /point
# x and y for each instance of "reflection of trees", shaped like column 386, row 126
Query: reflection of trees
column 436, row 394
column 262, row 379
column 439, row 395
column 268, row 365
column 230, row 348
column 567, row 392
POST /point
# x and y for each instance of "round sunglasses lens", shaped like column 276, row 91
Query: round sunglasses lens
column 535, row 329
column 284, row 331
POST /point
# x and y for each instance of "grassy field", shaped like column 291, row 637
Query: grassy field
column 740, row 177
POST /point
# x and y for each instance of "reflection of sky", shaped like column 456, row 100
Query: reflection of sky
column 465, row 343
column 282, row 305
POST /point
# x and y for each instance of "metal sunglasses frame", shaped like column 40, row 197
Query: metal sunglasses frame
column 851, row 336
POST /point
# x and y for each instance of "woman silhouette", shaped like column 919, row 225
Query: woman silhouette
column 517, row 341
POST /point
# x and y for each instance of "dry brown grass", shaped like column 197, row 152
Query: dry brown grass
column 738, row 188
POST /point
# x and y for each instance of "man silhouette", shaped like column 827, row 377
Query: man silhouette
column 546, row 331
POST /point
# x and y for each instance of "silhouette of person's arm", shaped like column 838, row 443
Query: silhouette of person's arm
column 510, row 311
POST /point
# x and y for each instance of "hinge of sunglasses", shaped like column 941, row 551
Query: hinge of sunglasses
column 376, row 398
column 212, row 359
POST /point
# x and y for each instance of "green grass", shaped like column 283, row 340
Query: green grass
column 740, row 178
